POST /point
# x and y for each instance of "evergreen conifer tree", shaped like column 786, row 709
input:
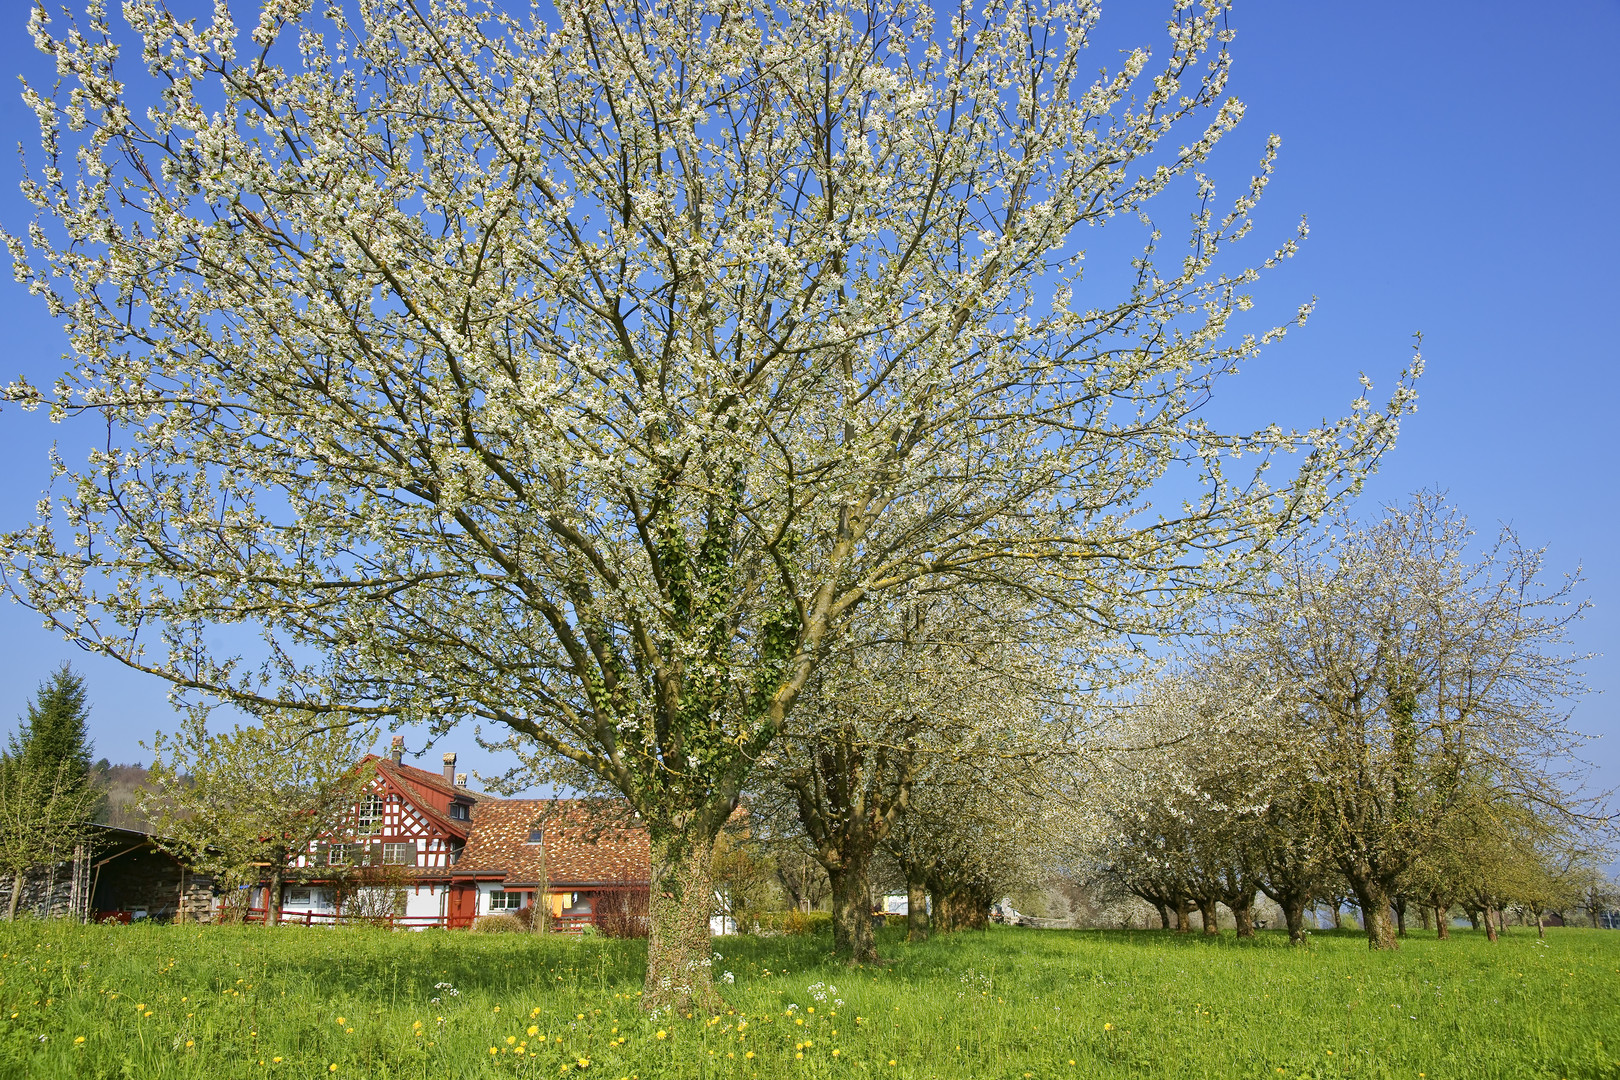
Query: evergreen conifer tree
column 47, row 792
column 53, row 733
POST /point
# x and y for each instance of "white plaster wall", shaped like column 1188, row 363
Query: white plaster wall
column 423, row 903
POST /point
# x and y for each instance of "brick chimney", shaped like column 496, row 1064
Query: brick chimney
column 396, row 749
column 461, row 779
column 450, row 768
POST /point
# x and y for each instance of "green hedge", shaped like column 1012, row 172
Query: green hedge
column 797, row 922
column 787, row 922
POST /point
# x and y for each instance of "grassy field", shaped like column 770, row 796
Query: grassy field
column 197, row 1002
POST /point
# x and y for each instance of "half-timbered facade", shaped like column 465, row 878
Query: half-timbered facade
column 457, row 854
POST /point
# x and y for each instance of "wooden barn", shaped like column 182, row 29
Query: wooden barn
column 118, row 875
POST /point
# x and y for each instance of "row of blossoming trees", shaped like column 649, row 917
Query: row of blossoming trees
column 709, row 395
column 1385, row 723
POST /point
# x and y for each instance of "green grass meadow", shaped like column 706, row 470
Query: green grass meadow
column 179, row 1001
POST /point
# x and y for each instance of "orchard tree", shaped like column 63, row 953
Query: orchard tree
column 926, row 692
column 1183, row 790
column 1419, row 681
column 586, row 374
column 247, row 802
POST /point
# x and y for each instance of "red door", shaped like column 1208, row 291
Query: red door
column 463, row 903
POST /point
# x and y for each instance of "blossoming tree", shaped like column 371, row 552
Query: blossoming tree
column 585, row 376
column 1415, row 682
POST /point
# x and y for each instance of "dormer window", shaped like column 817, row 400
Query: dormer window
column 461, row 811
column 537, row 836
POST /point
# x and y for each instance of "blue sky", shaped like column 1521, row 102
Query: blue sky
column 1458, row 163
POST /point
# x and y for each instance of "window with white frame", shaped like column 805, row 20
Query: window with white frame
column 347, row 855
column 506, row 901
column 537, row 836
column 369, row 815
column 399, row 854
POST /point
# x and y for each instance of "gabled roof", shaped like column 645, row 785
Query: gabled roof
column 421, row 779
column 586, row 843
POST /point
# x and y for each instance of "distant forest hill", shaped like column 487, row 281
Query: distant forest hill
column 121, row 783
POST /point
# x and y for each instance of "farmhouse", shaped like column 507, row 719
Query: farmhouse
column 450, row 855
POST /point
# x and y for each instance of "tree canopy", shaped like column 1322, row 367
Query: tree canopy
column 586, row 374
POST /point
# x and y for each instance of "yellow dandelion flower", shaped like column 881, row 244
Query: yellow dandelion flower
column 749, row 1055
column 891, row 1061
column 835, row 1053
column 332, row 1067
column 511, row 1040
column 80, row 1039
column 140, row 1007
column 662, row 1034
column 493, row 1051
column 275, row 1061
column 799, row 1056
column 190, row 1043
column 341, row 1021
column 584, row 1063
column 497, row 1008
column 533, row 1031
column 1108, row 1027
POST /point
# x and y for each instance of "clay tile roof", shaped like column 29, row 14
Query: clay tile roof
column 584, row 842
column 421, row 779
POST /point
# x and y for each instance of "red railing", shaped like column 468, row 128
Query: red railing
column 393, row 922
column 559, row 924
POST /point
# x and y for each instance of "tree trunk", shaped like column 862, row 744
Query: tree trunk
column 1206, row 912
column 272, row 898
column 1541, row 925
column 1338, row 917
column 1294, row 916
column 16, row 894
column 1423, row 914
column 1490, row 924
column 1473, row 917
column 916, row 910
column 852, row 910
column 1442, row 922
column 1400, row 916
column 679, row 967
column 1243, row 915
column 1164, row 916
column 1375, row 920
column 1183, row 916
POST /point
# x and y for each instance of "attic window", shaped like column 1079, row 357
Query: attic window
column 460, row 811
column 369, row 818
column 537, row 836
